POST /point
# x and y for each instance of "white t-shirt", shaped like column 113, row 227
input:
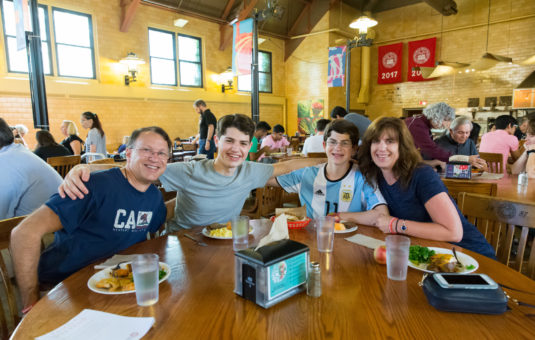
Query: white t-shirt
column 313, row 144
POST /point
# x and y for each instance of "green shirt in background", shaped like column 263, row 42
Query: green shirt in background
column 254, row 147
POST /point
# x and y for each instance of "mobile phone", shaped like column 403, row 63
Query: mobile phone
column 465, row 281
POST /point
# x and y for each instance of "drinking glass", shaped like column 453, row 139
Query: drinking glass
column 325, row 233
column 145, row 268
column 240, row 232
column 289, row 151
column 397, row 257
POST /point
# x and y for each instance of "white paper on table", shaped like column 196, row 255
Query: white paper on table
column 95, row 325
column 366, row 241
column 115, row 260
column 279, row 231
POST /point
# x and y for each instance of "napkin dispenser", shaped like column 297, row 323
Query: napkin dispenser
column 458, row 170
column 273, row 273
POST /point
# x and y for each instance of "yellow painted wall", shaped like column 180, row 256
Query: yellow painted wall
column 124, row 108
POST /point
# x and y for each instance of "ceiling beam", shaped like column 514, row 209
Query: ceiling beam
column 305, row 10
column 228, row 7
column 225, row 30
column 128, row 10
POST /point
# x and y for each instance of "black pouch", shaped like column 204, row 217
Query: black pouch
column 481, row 301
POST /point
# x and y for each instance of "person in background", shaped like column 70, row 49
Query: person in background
column 526, row 161
column 492, row 128
column 177, row 143
column 72, row 142
column 261, row 131
column 474, row 134
column 207, row 127
column 338, row 186
column 457, row 142
column 97, row 226
column 360, row 121
column 315, row 143
column 96, row 139
column 435, row 116
column 338, row 113
column 520, row 133
column 275, row 141
column 502, row 140
column 27, row 181
column 47, row 146
column 123, row 146
column 417, row 199
column 19, row 131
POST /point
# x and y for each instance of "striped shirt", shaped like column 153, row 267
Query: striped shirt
column 322, row 196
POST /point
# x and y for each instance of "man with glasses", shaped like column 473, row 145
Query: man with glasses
column 337, row 187
column 122, row 207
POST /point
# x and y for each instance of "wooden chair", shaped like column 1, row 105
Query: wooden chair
column 499, row 220
column 267, row 199
column 103, row 161
column 63, row 164
column 455, row 186
column 494, row 161
column 189, row 147
column 317, row 155
column 294, row 143
column 11, row 319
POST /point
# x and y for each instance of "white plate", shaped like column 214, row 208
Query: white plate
column 466, row 260
column 206, row 233
column 347, row 230
column 105, row 273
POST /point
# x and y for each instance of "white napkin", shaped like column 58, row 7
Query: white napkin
column 115, row 260
column 279, row 231
column 366, row 241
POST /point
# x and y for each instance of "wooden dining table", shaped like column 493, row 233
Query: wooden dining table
column 358, row 300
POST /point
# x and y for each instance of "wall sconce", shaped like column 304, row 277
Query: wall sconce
column 131, row 61
column 362, row 24
column 226, row 79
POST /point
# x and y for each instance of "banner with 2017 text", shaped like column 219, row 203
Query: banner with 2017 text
column 242, row 47
column 336, row 68
column 421, row 54
column 390, row 64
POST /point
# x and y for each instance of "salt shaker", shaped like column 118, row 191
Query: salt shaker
column 522, row 179
column 314, row 280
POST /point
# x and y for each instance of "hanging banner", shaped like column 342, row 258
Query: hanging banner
column 22, row 20
column 390, row 64
column 421, row 54
column 242, row 47
column 336, row 68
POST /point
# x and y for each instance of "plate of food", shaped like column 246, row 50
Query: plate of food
column 113, row 280
column 342, row 228
column 440, row 260
column 220, row 231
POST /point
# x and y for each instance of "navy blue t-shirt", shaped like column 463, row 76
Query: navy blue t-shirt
column 409, row 204
column 112, row 217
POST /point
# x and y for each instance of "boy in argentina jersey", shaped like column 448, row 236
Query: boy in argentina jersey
column 338, row 186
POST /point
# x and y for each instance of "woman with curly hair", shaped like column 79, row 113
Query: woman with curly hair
column 418, row 201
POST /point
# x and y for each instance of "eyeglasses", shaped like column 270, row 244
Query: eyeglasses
column 344, row 143
column 148, row 152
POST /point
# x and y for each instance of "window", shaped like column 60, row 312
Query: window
column 74, row 44
column 264, row 75
column 189, row 61
column 162, row 57
column 17, row 61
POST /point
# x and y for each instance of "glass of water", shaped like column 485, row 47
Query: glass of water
column 240, row 232
column 145, row 268
column 397, row 257
column 325, row 233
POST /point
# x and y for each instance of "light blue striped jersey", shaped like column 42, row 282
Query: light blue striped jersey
column 351, row 193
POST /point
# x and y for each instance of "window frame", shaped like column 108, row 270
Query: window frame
column 187, row 61
column 47, row 27
column 173, row 35
column 270, row 74
column 91, row 42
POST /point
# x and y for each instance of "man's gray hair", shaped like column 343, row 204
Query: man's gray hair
column 199, row 102
column 439, row 112
column 462, row 120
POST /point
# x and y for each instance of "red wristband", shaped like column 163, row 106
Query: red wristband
column 28, row 308
column 390, row 225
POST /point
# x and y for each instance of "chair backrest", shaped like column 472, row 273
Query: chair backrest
column 500, row 221
column 317, row 155
column 494, row 161
column 455, row 186
column 294, row 144
column 188, row 147
column 63, row 164
column 12, row 317
column 103, row 161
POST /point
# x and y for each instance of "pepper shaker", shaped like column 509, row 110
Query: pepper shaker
column 314, row 280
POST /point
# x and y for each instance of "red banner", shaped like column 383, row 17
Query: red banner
column 421, row 54
column 390, row 64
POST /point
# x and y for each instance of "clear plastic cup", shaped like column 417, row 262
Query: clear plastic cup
column 289, row 151
column 145, row 268
column 325, row 233
column 240, row 232
column 397, row 257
